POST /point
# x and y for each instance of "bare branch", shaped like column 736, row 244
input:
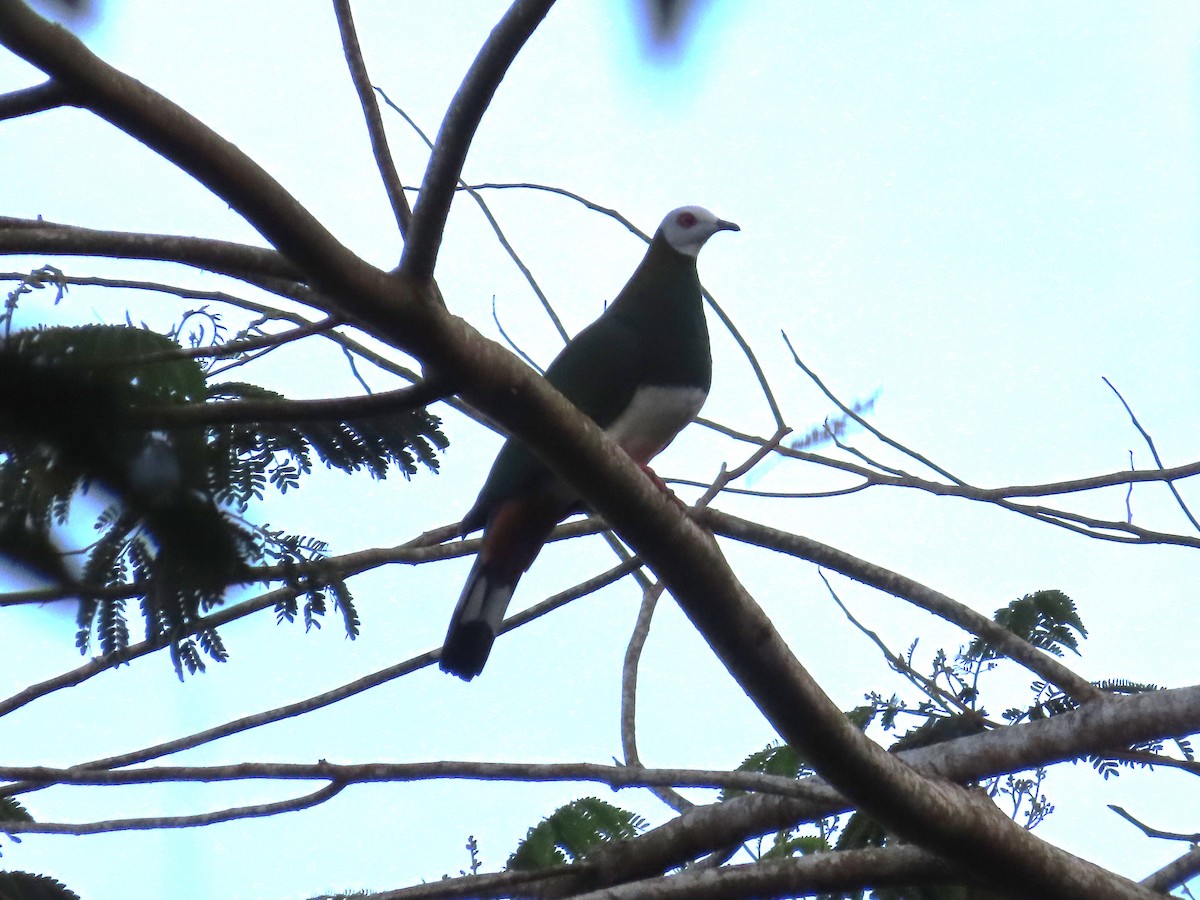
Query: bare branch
column 1092, row 527
column 363, row 773
column 1154, row 452
column 998, row 637
column 850, row 413
column 848, row 870
column 629, row 673
column 366, row 97
column 241, row 261
column 500, row 236
column 184, row 140
column 563, row 192
column 334, row 409
column 133, row 651
column 458, row 128
column 1151, row 831
column 226, row 815
column 49, row 95
column 1175, row 873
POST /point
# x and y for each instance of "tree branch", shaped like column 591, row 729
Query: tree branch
column 1154, row 452
column 334, row 409
column 375, row 131
column 500, row 236
column 226, row 815
column 1175, row 873
column 847, row 870
column 28, row 236
column 363, row 773
column 1040, row 663
column 458, row 129
column 49, row 95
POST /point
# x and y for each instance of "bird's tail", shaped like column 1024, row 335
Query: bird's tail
column 476, row 620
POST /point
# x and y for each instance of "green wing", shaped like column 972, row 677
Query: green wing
column 598, row 371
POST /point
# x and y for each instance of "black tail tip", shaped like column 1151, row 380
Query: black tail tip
column 466, row 650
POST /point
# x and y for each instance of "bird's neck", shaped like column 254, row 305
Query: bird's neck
column 665, row 288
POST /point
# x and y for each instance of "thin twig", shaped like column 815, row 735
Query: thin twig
column 1085, row 525
column 947, row 701
column 1154, row 452
column 629, row 673
column 1129, row 494
column 512, row 345
column 145, row 824
column 863, row 422
column 134, row 651
column 1150, row 831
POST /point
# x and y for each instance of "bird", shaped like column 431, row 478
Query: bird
column 641, row 371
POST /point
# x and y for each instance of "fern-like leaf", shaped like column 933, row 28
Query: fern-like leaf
column 571, row 831
column 773, row 759
column 26, row 886
column 1047, row 619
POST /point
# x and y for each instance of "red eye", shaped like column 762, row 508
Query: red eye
column 685, row 220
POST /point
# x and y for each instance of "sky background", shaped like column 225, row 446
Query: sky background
column 977, row 210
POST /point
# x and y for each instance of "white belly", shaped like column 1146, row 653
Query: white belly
column 652, row 420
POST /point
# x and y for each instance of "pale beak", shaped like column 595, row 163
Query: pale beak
column 723, row 225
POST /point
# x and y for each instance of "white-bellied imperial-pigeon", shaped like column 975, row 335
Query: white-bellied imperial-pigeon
column 641, row 371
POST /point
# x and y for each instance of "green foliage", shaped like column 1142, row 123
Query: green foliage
column 773, row 759
column 571, row 831
column 77, row 413
column 248, row 456
column 24, row 886
column 1049, row 702
column 1046, row 619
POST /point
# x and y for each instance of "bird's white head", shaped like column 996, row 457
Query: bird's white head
column 687, row 228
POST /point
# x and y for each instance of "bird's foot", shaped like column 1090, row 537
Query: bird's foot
column 662, row 485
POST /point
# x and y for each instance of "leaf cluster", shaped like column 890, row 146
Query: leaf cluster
column 170, row 534
column 573, row 830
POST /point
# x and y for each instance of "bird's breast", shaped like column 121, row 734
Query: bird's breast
column 653, row 417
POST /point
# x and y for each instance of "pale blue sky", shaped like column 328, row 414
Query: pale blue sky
column 979, row 209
